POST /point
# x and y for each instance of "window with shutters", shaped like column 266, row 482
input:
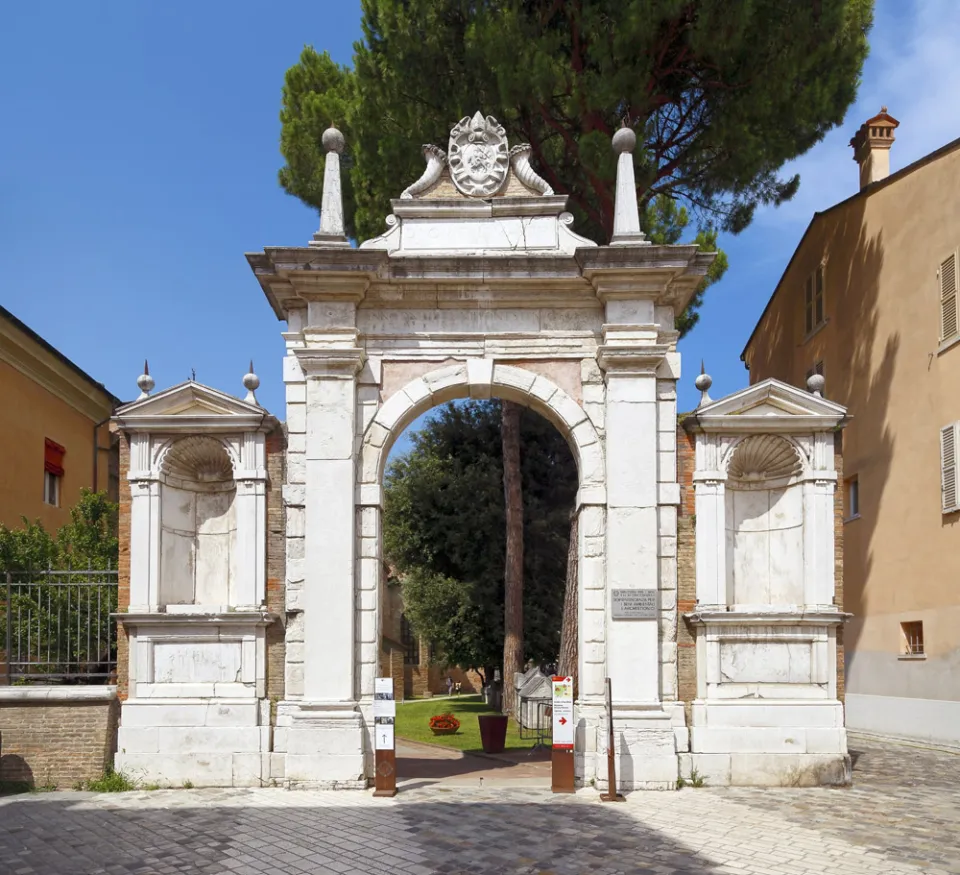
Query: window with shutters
column 53, row 455
column 815, row 312
column 948, row 468
column 947, row 279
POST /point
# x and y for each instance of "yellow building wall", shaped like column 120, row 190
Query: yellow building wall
column 29, row 413
column 880, row 349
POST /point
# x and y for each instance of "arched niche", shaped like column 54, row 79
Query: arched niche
column 198, row 524
column 764, row 516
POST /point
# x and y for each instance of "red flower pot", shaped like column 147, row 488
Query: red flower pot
column 493, row 732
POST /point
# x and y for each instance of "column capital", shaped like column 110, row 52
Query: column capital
column 631, row 360
column 336, row 362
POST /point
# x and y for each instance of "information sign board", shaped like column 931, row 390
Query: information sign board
column 634, row 604
column 563, row 713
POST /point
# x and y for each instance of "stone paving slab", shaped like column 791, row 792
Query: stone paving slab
column 901, row 818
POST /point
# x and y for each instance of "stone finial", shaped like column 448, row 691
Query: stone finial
column 815, row 384
column 626, row 214
column 251, row 382
column 145, row 382
column 331, row 206
column 703, row 383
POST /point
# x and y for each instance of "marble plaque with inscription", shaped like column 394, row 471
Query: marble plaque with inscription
column 634, row 604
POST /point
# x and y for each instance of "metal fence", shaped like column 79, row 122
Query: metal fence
column 55, row 626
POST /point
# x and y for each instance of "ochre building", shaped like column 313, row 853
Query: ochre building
column 869, row 300
column 52, row 417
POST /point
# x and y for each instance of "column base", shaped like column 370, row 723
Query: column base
column 768, row 743
column 767, row 769
column 322, row 745
column 201, row 742
column 645, row 746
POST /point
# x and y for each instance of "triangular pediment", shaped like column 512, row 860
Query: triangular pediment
column 189, row 400
column 770, row 402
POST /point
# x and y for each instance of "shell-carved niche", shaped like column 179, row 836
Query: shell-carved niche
column 198, row 525
column 764, row 523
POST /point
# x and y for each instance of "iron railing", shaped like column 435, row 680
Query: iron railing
column 55, row 626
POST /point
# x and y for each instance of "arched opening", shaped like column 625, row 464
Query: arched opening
column 764, row 521
column 442, row 539
column 198, row 524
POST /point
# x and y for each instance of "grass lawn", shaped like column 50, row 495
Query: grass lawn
column 413, row 722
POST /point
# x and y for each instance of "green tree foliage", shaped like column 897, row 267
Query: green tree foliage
column 89, row 540
column 721, row 95
column 61, row 625
column 444, row 532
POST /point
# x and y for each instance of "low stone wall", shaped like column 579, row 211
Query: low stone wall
column 56, row 736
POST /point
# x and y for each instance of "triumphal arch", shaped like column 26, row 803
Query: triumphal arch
column 480, row 287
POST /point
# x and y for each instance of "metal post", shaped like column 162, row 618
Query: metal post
column 611, row 795
column 9, row 612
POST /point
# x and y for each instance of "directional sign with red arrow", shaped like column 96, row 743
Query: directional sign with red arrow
column 563, row 722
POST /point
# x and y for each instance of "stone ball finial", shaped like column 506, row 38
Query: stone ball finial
column 251, row 382
column 333, row 140
column 624, row 140
column 703, row 382
column 816, row 383
column 145, row 382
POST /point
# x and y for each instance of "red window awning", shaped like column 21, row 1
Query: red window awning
column 53, row 455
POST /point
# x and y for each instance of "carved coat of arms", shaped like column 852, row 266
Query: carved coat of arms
column 478, row 155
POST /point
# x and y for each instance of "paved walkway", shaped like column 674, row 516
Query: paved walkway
column 901, row 818
column 420, row 765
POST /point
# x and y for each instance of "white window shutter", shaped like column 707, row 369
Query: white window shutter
column 948, row 298
column 948, row 467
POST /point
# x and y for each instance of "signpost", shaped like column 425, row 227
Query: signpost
column 611, row 795
column 562, row 760
column 384, row 716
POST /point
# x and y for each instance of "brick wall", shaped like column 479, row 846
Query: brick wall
column 50, row 737
column 838, row 557
column 686, row 571
column 276, row 563
column 123, row 569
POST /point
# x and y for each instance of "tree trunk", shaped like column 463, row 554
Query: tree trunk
column 567, row 663
column 513, row 572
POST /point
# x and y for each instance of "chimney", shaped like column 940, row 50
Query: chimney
column 871, row 147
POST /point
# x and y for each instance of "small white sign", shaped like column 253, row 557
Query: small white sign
column 563, row 713
column 383, row 736
column 384, row 708
column 383, row 688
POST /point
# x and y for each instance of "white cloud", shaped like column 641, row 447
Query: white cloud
column 913, row 70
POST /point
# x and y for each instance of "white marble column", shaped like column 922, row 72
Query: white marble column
column 711, row 543
column 818, row 542
column 328, row 596
column 144, row 546
column 633, row 656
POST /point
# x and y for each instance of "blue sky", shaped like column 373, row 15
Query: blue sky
column 139, row 156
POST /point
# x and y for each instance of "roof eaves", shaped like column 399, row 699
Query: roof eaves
column 26, row 329
column 866, row 191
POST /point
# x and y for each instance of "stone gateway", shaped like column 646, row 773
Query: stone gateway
column 254, row 555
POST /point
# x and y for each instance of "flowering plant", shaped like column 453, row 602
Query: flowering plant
column 444, row 724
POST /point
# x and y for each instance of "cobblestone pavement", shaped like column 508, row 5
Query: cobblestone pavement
column 901, row 818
